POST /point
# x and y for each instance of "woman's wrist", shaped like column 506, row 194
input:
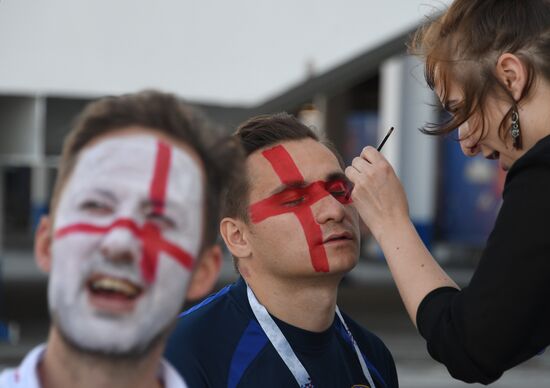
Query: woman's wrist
column 391, row 227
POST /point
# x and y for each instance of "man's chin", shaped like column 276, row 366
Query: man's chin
column 342, row 258
column 111, row 346
column 339, row 267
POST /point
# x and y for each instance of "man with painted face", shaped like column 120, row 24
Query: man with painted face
column 293, row 234
column 135, row 205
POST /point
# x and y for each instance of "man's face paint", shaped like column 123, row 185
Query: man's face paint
column 127, row 230
column 298, row 200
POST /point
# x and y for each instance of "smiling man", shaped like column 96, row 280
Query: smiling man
column 131, row 232
column 294, row 234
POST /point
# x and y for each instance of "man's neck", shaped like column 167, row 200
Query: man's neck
column 307, row 304
column 63, row 366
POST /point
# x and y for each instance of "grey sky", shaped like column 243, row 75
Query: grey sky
column 233, row 52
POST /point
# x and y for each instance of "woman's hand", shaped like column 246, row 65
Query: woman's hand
column 380, row 200
column 378, row 194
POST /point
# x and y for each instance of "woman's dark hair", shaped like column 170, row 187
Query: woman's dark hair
column 464, row 44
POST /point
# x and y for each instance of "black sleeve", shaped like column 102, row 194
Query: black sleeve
column 502, row 317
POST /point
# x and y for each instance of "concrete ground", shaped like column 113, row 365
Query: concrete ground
column 368, row 295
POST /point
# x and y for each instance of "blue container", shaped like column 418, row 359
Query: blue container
column 470, row 195
column 361, row 131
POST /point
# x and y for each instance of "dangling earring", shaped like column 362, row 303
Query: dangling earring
column 515, row 130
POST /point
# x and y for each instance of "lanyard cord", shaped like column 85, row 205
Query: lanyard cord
column 281, row 345
column 357, row 351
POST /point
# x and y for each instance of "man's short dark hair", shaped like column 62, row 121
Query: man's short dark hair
column 257, row 133
column 165, row 113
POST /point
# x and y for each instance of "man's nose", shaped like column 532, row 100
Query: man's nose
column 120, row 245
column 329, row 209
column 468, row 140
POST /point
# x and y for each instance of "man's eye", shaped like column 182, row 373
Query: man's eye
column 292, row 197
column 341, row 190
column 338, row 193
column 338, row 189
column 161, row 220
column 294, row 202
column 95, row 207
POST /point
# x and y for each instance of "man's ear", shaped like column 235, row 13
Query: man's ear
column 205, row 274
column 42, row 244
column 511, row 71
column 234, row 234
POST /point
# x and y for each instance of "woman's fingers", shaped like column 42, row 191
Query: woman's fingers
column 372, row 156
column 352, row 173
column 377, row 195
column 360, row 164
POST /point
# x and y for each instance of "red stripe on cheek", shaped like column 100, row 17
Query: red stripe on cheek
column 150, row 246
column 261, row 210
column 314, row 237
column 157, row 193
column 160, row 176
column 153, row 245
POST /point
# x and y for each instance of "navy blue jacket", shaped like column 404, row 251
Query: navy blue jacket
column 219, row 343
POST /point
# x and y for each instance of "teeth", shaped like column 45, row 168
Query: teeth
column 115, row 285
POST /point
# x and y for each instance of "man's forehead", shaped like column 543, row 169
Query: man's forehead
column 136, row 151
column 312, row 158
column 132, row 157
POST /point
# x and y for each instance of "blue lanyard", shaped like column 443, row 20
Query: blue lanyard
column 281, row 345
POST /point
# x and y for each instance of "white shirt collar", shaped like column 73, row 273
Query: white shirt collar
column 26, row 375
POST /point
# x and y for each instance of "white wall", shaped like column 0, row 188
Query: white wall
column 408, row 104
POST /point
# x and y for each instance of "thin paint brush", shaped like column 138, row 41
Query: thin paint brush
column 385, row 139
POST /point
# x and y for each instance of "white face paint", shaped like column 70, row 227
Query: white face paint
column 100, row 296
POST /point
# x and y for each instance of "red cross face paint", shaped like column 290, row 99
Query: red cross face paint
column 299, row 198
column 128, row 228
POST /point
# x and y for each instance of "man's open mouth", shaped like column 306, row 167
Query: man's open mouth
column 112, row 287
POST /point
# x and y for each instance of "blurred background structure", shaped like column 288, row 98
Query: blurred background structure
column 341, row 67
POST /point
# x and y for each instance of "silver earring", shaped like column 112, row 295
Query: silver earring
column 515, row 130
